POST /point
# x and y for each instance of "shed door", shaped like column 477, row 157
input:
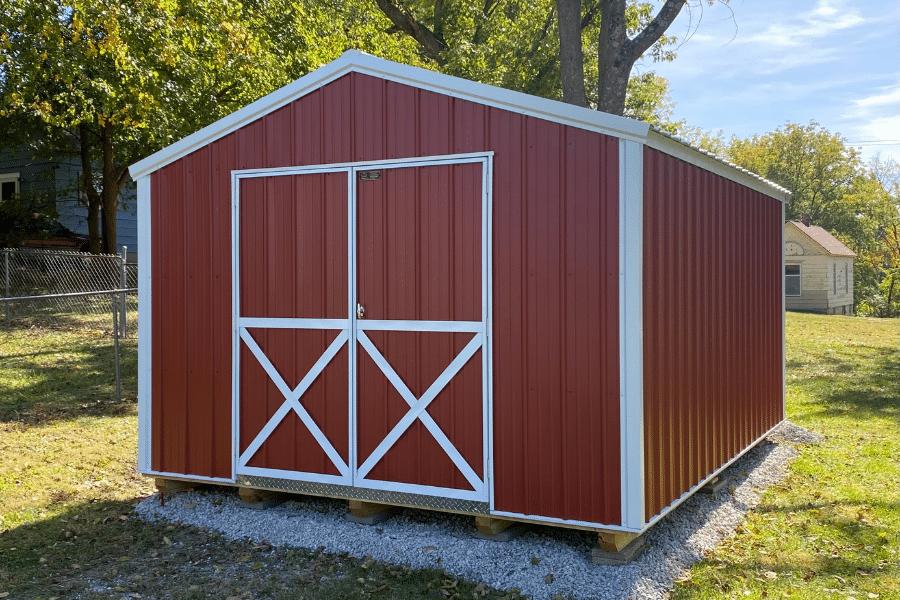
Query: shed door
column 360, row 329
column 293, row 325
column 421, row 408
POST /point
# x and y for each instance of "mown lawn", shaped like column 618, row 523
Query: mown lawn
column 68, row 485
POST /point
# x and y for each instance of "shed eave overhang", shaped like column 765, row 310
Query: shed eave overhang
column 359, row 62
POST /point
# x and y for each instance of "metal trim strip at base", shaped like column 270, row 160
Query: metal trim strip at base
column 353, row 493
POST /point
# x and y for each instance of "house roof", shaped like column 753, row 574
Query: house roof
column 828, row 242
column 517, row 102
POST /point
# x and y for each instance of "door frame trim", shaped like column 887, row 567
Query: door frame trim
column 351, row 168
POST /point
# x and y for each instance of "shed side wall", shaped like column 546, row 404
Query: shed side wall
column 712, row 324
column 555, row 289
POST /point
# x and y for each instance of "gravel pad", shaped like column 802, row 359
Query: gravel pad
column 559, row 556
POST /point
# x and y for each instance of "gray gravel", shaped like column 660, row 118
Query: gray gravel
column 431, row 539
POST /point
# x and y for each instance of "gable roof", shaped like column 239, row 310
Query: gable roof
column 517, row 102
column 828, row 242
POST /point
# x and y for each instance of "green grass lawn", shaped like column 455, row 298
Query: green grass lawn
column 68, row 484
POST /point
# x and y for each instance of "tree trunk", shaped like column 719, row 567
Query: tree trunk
column 613, row 67
column 87, row 185
column 617, row 54
column 110, row 192
column 571, row 56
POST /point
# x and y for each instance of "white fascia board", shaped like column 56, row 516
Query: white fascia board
column 359, row 62
column 714, row 164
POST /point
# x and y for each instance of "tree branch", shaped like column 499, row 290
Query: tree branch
column 548, row 22
column 592, row 12
column 405, row 22
column 655, row 29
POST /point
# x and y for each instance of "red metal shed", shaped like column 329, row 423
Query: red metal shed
column 387, row 284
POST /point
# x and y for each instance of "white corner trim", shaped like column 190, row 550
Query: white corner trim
column 708, row 162
column 783, row 322
column 359, row 62
column 631, row 352
column 145, row 326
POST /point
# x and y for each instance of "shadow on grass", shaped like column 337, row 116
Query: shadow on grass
column 866, row 385
column 101, row 550
column 66, row 376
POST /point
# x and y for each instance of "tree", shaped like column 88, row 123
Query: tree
column 110, row 83
column 542, row 47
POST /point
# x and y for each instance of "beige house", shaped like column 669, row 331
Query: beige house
column 818, row 270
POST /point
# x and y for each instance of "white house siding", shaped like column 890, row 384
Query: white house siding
column 820, row 291
column 840, row 302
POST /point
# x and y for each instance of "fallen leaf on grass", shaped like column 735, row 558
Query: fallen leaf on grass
column 167, row 541
column 771, row 575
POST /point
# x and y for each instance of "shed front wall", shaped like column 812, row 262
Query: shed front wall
column 712, row 294
column 555, row 377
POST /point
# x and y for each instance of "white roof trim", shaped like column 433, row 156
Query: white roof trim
column 359, row 62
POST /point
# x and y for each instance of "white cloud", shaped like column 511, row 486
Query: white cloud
column 888, row 97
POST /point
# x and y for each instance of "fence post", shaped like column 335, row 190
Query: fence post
column 123, row 283
column 6, row 277
column 115, row 305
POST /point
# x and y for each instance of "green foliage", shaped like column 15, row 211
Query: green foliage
column 113, row 82
column 857, row 203
column 648, row 100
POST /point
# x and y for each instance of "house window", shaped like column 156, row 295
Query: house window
column 791, row 280
column 9, row 185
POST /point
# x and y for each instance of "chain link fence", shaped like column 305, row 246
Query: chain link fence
column 49, row 288
column 86, row 293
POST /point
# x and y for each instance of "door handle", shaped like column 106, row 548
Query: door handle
column 360, row 311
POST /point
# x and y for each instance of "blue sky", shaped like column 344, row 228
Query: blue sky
column 752, row 65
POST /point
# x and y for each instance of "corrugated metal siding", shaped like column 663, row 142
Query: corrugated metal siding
column 712, row 323
column 555, row 262
column 191, row 409
column 556, row 379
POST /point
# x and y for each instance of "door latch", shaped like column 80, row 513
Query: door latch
column 360, row 311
